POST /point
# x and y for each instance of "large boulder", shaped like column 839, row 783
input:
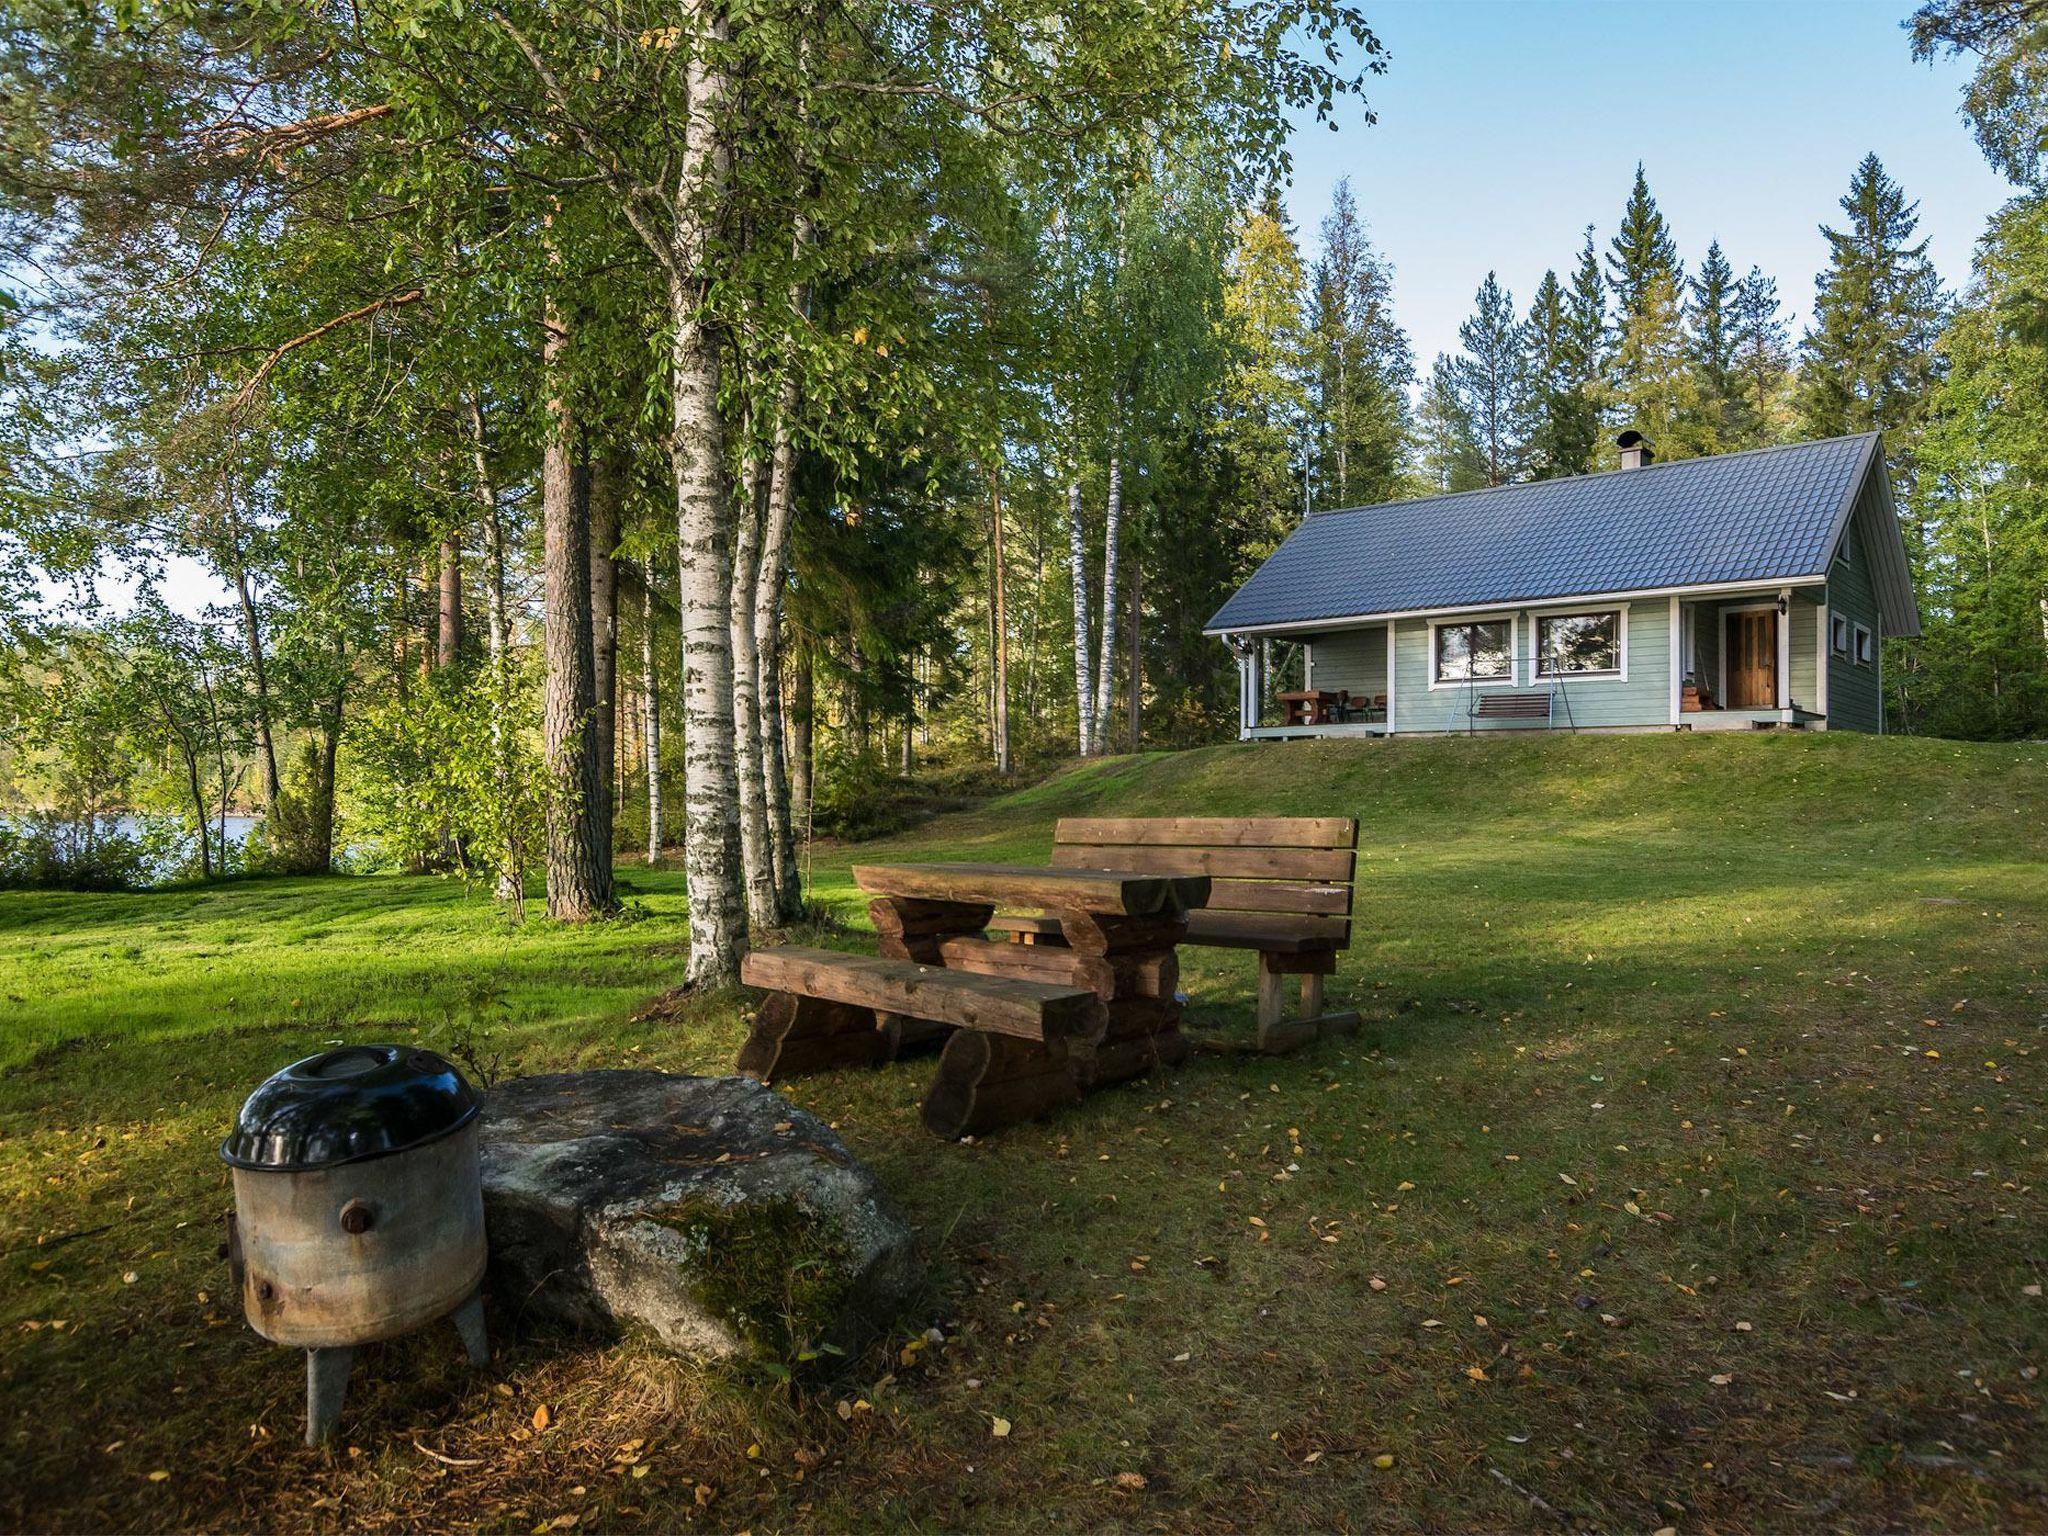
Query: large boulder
column 708, row 1210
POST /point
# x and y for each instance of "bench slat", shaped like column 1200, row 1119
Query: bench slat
column 1514, row 706
column 1029, row 1010
column 1280, row 932
column 1210, row 831
column 1277, row 896
column 1321, row 864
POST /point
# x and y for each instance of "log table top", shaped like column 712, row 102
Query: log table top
column 1107, row 892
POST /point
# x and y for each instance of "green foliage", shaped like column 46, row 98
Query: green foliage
column 440, row 780
column 2007, row 98
column 1360, row 362
column 46, row 851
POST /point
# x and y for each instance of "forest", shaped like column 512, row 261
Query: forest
column 679, row 430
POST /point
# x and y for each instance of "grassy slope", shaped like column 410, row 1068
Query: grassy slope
column 1667, row 1036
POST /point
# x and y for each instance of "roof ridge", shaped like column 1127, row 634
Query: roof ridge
column 1602, row 474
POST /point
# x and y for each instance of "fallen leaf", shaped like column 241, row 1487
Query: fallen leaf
column 1130, row 1480
column 541, row 1417
column 1721, row 1378
column 1383, row 1461
column 999, row 1427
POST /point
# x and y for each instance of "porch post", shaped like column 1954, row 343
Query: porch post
column 1784, row 653
column 1820, row 661
column 1246, row 651
column 1390, row 677
column 1677, row 666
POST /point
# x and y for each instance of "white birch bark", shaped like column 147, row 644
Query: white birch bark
column 1112, row 529
column 757, row 860
column 650, row 713
column 767, row 614
column 1077, row 563
column 704, row 539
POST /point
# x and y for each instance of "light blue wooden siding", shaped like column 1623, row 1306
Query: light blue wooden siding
column 1352, row 660
column 1852, row 690
column 1643, row 698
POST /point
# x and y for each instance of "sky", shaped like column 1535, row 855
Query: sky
column 1506, row 126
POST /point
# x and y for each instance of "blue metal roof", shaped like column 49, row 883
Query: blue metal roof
column 1768, row 514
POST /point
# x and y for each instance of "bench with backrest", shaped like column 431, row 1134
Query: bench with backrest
column 1007, row 1057
column 1514, row 706
column 1281, row 886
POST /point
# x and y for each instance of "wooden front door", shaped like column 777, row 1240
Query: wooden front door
column 1753, row 659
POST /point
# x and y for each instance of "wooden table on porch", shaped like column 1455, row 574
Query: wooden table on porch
column 1310, row 706
column 1121, row 929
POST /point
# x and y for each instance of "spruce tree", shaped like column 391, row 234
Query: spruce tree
column 1362, row 365
column 1710, row 336
column 1447, row 453
column 1656, row 390
column 1763, row 359
column 1641, row 252
column 1868, row 360
column 1561, row 361
column 1492, row 382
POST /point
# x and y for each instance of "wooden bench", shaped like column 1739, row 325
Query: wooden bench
column 1514, row 706
column 1010, row 1055
column 1281, row 886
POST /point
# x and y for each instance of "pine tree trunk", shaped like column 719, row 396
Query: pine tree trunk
column 1112, row 533
column 757, row 858
column 704, row 525
column 579, row 886
column 510, row 883
column 607, row 493
column 448, row 636
column 650, row 708
column 1077, row 565
column 999, row 627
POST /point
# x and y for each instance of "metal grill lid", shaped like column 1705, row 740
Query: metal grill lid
column 345, row 1105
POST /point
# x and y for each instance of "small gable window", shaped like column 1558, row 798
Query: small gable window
column 1866, row 646
column 1475, row 652
column 1838, row 634
column 1579, row 644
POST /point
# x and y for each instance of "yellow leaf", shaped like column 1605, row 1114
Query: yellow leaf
column 999, row 1427
column 1476, row 1372
column 159, row 1475
column 1383, row 1461
column 541, row 1417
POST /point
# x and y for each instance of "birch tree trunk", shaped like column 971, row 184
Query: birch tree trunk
column 704, row 535
column 1077, row 564
column 999, row 626
column 1112, row 531
column 767, row 618
column 579, row 884
column 498, row 638
column 757, row 857
column 650, row 713
column 607, row 492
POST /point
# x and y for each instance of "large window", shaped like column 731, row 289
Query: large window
column 1579, row 644
column 1475, row 652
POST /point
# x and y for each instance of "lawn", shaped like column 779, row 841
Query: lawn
column 1688, row 1172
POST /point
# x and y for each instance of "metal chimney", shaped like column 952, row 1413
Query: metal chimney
column 1635, row 449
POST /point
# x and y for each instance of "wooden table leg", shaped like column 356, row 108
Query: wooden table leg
column 794, row 1035
column 986, row 1081
column 1135, row 970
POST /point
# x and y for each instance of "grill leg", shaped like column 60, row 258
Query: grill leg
column 469, row 1322
column 326, row 1386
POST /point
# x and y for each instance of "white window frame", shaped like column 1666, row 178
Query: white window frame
column 1512, row 680
column 1618, row 674
column 1838, row 625
column 1863, row 648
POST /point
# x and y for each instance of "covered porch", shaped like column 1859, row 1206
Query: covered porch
column 1748, row 656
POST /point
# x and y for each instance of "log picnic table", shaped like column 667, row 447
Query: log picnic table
column 1026, row 1028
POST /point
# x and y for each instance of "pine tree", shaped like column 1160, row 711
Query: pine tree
column 1361, row 364
column 1763, row 360
column 1492, row 383
column 1868, row 360
column 1710, row 337
column 1447, row 452
column 1641, row 252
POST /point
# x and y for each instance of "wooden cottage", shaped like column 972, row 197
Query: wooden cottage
column 1741, row 591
